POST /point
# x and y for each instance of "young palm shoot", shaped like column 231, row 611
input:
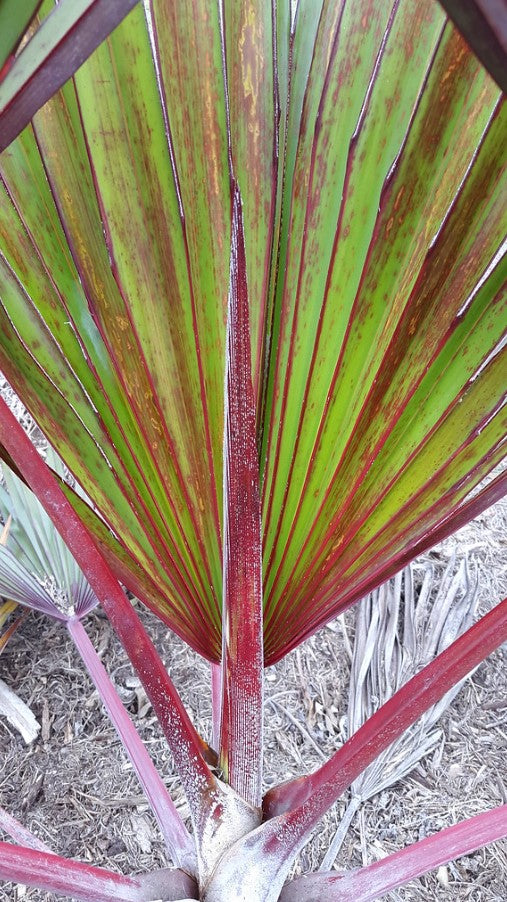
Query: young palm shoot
column 398, row 630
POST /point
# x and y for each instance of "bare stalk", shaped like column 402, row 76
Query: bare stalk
column 242, row 651
column 372, row 882
column 86, row 883
column 21, row 834
column 178, row 840
column 216, row 702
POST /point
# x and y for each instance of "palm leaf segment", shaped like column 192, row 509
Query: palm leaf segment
column 369, row 147
column 36, row 567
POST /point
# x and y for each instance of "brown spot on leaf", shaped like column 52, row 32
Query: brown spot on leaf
column 399, row 197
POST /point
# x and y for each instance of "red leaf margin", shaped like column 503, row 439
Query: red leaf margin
column 58, row 62
column 484, row 28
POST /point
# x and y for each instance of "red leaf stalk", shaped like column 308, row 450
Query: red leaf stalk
column 216, row 702
column 370, row 883
column 177, row 837
column 83, row 882
column 242, row 651
column 20, row 834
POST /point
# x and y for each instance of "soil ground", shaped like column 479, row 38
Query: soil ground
column 75, row 789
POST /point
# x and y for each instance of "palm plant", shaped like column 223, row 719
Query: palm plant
column 304, row 216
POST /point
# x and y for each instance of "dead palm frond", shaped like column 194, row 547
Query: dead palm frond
column 398, row 630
